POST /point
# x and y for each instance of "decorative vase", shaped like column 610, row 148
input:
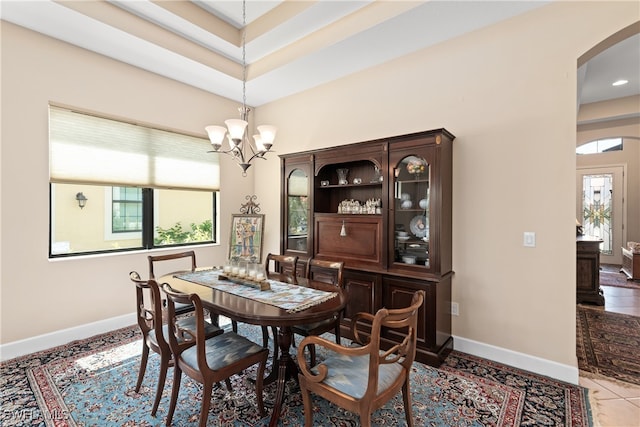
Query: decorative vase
column 342, row 176
column 377, row 176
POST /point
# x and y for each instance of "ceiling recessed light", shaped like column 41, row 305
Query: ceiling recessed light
column 620, row 82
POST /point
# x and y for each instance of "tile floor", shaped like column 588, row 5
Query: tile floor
column 615, row 404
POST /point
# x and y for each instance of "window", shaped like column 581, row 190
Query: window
column 145, row 187
column 126, row 209
column 600, row 146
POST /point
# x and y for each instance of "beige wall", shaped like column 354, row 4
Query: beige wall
column 507, row 92
column 36, row 70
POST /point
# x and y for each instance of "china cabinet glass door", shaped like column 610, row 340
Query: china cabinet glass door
column 411, row 211
column 297, row 210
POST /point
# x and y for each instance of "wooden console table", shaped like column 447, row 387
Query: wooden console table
column 588, row 270
column 630, row 264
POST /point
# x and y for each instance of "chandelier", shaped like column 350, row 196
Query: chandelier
column 241, row 148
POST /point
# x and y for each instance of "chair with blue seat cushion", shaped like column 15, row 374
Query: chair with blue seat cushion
column 211, row 360
column 154, row 331
column 364, row 377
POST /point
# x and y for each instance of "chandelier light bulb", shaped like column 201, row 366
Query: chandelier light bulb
column 267, row 135
column 236, row 128
column 216, row 135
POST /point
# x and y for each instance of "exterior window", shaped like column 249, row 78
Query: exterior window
column 126, row 209
column 600, row 146
column 76, row 231
column 144, row 187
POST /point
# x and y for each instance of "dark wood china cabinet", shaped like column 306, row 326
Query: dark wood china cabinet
column 384, row 208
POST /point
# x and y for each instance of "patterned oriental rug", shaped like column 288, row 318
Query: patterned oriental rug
column 612, row 278
column 608, row 343
column 90, row 383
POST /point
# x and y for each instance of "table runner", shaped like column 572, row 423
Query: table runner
column 292, row 298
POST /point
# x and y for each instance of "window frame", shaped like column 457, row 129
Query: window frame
column 149, row 216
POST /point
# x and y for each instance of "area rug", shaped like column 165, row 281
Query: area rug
column 608, row 344
column 612, row 278
column 91, row 382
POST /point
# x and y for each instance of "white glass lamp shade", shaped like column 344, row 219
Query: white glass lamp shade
column 259, row 144
column 267, row 134
column 236, row 128
column 216, row 135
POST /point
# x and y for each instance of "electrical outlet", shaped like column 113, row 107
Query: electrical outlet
column 454, row 308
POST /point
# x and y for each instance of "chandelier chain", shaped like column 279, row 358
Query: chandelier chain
column 244, row 58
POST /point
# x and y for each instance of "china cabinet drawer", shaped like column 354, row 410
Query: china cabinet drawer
column 359, row 245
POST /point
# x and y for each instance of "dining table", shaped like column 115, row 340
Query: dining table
column 255, row 307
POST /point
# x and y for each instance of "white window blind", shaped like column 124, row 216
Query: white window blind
column 94, row 150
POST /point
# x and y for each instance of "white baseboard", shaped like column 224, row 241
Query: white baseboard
column 43, row 342
column 508, row 357
column 518, row 360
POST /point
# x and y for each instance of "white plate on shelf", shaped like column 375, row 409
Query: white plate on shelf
column 418, row 226
column 403, row 238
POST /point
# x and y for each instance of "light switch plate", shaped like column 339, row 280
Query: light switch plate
column 530, row 239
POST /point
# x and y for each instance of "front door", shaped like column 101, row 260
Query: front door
column 600, row 208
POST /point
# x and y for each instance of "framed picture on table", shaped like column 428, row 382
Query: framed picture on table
column 245, row 239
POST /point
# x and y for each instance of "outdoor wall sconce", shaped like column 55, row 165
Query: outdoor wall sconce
column 82, row 200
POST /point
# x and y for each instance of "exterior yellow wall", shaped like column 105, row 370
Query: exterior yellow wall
column 508, row 92
column 179, row 207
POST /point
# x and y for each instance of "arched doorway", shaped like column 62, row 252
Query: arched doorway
column 609, row 118
column 609, row 112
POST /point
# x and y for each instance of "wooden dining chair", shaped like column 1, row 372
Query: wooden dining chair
column 282, row 267
column 363, row 378
column 208, row 360
column 172, row 266
column 329, row 272
column 275, row 267
column 325, row 271
column 154, row 331
column 174, row 262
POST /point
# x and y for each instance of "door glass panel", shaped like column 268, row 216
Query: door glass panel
column 597, row 209
column 411, row 211
column 298, row 210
